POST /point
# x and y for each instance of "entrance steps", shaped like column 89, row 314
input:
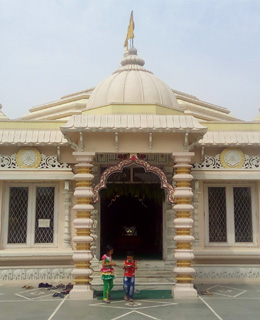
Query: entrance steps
column 149, row 272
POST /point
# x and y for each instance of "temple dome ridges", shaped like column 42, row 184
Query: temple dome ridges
column 130, row 84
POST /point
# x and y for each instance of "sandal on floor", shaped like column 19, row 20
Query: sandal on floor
column 57, row 294
column 66, row 291
column 206, row 292
column 106, row 301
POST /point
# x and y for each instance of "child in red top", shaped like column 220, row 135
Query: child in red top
column 130, row 266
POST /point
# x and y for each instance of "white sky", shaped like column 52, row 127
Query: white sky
column 208, row 48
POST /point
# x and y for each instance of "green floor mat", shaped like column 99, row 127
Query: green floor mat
column 142, row 294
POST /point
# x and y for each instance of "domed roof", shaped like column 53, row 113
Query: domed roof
column 132, row 84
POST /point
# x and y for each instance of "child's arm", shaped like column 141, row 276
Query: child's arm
column 107, row 263
column 135, row 265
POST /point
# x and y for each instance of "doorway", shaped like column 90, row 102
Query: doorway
column 131, row 219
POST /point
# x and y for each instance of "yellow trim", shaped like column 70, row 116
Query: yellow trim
column 184, row 278
column 84, row 200
column 83, row 184
column 133, row 109
column 52, row 125
column 231, row 126
column 182, row 170
column 84, row 170
column 183, row 263
column 83, row 214
column 183, row 214
column 183, row 231
column 183, row 201
column 83, row 232
column 83, row 246
column 83, row 265
column 82, row 280
column 181, row 184
column 183, row 246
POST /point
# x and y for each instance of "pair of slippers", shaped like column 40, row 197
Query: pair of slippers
column 27, row 287
column 44, row 285
column 69, row 286
column 59, row 286
column 206, row 293
column 66, row 291
column 57, row 294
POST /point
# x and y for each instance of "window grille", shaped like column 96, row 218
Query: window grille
column 31, row 216
column 17, row 222
column 217, row 214
column 242, row 213
column 230, row 218
column 44, row 210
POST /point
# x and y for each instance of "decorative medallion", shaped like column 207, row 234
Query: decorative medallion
column 232, row 158
column 28, row 158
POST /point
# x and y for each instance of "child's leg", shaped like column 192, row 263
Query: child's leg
column 105, row 289
column 126, row 286
column 131, row 288
column 110, row 287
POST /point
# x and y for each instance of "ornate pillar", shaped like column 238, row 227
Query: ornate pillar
column 83, row 223
column 95, row 261
column 67, row 204
column 195, row 203
column 183, row 225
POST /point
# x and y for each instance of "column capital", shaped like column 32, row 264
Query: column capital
column 83, row 156
column 183, row 156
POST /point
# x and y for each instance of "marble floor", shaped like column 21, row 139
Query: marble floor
column 226, row 302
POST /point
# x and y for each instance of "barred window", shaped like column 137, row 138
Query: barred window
column 217, row 214
column 242, row 214
column 18, row 207
column 229, row 217
column 31, row 215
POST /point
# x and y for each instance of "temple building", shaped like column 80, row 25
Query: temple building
column 136, row 164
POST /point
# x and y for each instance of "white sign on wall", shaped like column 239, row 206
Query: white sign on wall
column 44, row 223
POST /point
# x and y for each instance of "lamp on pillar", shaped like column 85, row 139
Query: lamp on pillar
column 83, row 223
column 183, row 225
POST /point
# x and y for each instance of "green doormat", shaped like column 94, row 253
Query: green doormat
column 142, row 294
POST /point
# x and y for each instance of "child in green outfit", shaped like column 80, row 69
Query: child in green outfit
column 107, row 272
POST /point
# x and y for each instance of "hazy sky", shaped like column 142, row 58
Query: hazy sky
column 207, row 48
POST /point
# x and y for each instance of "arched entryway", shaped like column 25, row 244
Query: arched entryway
column 132, row 221
column 131, row 197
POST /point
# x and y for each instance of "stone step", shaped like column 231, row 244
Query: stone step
column 148, row 272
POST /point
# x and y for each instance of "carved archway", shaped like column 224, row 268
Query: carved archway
column 142, row 163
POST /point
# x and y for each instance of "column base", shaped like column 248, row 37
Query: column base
column 81, row 292
column 184, row 291
column 95, row 264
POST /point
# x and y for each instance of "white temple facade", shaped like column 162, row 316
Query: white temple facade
column 138, row 165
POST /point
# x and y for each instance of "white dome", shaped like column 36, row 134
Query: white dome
column 132, row 84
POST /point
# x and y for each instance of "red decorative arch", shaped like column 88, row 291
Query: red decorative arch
column 124, row 163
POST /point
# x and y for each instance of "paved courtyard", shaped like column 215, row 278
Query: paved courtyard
column 227, row 302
